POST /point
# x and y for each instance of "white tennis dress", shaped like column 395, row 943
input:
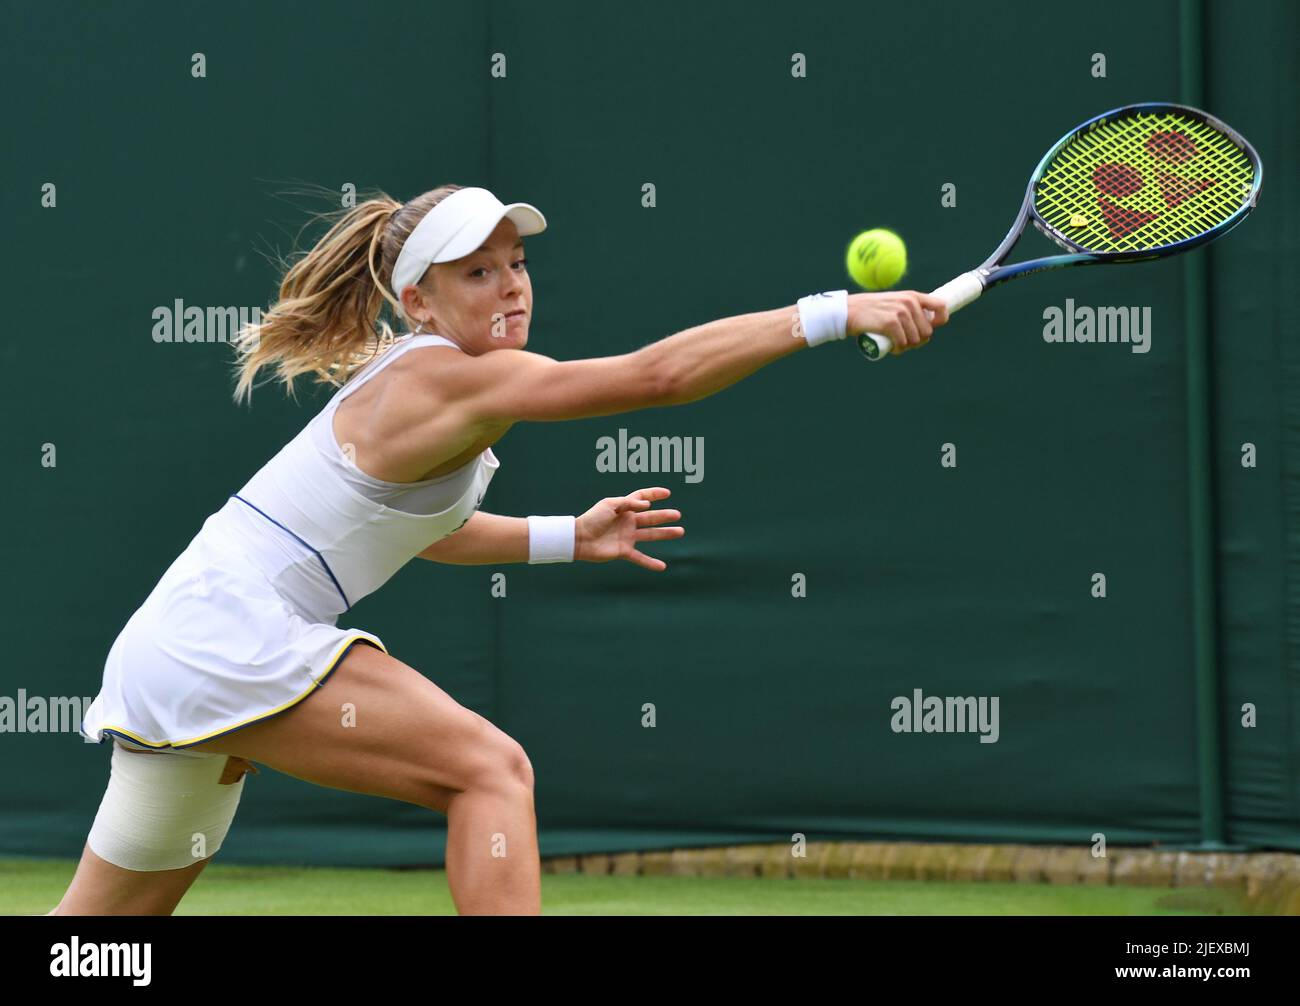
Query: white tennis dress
column 243, row 624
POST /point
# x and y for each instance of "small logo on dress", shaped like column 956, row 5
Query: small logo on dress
column 466, row 520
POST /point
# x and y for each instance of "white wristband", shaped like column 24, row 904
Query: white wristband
column 824, row 316
column 551, row 539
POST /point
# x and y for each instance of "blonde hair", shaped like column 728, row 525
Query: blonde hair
column 330, row 319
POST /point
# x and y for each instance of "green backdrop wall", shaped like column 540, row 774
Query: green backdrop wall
column 773, row 711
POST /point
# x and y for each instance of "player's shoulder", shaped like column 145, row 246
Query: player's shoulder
column 453, row 374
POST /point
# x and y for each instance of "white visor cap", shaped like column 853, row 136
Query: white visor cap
column 457, row 227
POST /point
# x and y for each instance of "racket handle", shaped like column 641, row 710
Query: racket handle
column 956, row 293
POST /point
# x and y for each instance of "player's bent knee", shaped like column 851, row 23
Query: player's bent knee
column 164, row 811
column 521, row 768
column 509, row 767
column 498, row 761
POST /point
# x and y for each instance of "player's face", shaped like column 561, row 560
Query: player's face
column 484, row 301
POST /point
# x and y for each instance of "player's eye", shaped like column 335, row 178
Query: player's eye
column 517, row 262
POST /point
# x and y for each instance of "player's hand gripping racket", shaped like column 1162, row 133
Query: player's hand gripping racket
column 1139, row 182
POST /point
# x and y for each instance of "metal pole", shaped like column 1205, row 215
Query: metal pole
column 1201, row 475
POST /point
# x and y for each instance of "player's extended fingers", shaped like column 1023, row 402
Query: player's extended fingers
column 937, row 307
column 641, row 499
column 631, row 502
column 648, row 517
column 648, row 562
column 659, row 533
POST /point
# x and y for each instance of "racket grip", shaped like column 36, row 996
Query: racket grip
column 956, row 293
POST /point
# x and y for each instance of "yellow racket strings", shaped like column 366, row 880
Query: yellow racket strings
column 1143, row 181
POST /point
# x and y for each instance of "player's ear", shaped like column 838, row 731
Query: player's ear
column 417, row 301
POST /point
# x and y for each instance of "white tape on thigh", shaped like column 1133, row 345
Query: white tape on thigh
column 163, row 812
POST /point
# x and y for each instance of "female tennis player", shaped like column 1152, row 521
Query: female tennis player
column 236, row 656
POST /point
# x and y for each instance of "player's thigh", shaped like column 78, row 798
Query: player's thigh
column 101, row 888
column 379, row 726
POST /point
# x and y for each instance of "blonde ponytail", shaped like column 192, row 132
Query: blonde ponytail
column 330, row 317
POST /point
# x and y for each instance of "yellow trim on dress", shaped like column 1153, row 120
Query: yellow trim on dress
column 260, row 716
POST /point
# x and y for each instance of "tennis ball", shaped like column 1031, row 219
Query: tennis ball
column 877, row 259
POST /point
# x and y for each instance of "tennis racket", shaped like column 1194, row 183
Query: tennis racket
column 1135, row 183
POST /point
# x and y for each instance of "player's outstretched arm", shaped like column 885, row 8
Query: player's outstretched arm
column 511, row 385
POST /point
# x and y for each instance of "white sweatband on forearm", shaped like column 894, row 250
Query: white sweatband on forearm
column 824, row 316
column 551, row 539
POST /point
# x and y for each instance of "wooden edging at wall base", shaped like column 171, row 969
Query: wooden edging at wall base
column 1269, row 880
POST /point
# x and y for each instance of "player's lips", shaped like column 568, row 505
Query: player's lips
column 516, row 314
